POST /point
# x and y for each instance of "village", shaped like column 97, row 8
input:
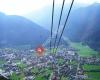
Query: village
column 66, row 63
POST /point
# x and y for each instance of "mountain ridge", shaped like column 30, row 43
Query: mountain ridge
column 83, row 26
column 16, row 30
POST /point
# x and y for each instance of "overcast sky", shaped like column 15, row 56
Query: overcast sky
column 21, row 7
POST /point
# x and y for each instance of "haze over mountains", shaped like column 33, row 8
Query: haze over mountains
column 83, row 26
column 16, row 30
column 43, row 16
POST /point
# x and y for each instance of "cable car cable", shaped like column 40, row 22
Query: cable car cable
column 52, row 24
column 59, row 23
column 65, row 24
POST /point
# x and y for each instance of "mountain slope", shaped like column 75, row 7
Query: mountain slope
column 84, row 26
column 16, row 30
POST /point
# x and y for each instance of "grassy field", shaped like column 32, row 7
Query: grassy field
column 93, row 75
column 14, row 76
column 41, row 74
column 21, row 65
column 64, row 78
column 2, row 62
column 91, row 67
column 83, row 50
column 86, row 51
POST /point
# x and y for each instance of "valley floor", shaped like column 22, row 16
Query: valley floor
column 68, row 64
